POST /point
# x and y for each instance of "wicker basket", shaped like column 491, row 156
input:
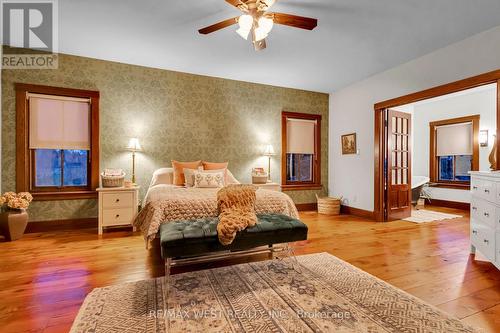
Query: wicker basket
column 329, row 206
column 112, row 181
column 259, row 179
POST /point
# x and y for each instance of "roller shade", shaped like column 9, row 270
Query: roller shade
column 456, row 139
column 58, row 122
column 300, row 136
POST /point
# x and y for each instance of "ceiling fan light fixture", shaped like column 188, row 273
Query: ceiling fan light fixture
column 243, row 33
column 259, row 34
column 266, row 24
column 245, row 22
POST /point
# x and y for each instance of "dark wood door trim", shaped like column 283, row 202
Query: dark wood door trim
column 472, row 82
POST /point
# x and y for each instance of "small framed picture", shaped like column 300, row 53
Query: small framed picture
column 349, row 144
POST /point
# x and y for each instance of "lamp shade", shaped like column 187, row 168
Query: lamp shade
column 269, row 150
column 134, row 145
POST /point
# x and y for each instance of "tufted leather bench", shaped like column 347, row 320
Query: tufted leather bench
column 199, row 237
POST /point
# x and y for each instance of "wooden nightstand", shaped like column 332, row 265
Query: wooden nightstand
column 270, row 186
column 118, row 206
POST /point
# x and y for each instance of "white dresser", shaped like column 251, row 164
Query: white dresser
column 485, row 215
column 118, row 206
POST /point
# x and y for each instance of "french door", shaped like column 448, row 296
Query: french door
column 397, row 168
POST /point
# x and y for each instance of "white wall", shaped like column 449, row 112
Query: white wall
column 481, row 102
column 351, row 109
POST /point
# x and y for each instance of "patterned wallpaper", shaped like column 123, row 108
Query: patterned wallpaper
column 175, row 116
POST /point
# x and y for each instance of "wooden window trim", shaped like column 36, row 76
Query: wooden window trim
column 23, row 153
column 433, row 159
column 297, row 186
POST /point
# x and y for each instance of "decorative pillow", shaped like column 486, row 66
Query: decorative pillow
column 179, row 170
column 208, row 179
column 162, row 176
column 217, row 166
column 230, row 179
column 189, row 176
column 214, row 165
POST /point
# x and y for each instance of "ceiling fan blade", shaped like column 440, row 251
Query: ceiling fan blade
column 260, row 45
column 218, row 26
column 295, row 21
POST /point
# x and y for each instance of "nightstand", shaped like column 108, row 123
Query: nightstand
column 118, row 206
column 269, row 186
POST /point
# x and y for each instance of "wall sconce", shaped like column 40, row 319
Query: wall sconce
column 483, row 138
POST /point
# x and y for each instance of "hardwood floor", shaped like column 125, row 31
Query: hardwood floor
column 45, row 277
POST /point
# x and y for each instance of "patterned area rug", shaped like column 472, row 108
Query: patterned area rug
column 321, row 294
column 423, row 216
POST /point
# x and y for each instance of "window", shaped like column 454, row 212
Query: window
column 301, row 136
column 454, row 151
column 59, row 134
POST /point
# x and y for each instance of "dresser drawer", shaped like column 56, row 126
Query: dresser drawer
column 483, row 238
column 484, row 211
column 117, row 200
column 117, row 216
column 475, row 236
column 484, row 189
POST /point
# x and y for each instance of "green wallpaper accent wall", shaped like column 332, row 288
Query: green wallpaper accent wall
column 175, row 115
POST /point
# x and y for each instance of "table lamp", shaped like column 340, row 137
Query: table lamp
column 269, row 151
column 133, row 146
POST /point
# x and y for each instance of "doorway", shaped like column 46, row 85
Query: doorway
column 393, row 148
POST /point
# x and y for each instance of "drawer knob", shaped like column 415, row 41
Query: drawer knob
column 474, row 187
column 474, row 208
column 117, row 216
column 486, row 191
column 486, row 241
column 117, row 200
column 486, row 214
column 474, row 232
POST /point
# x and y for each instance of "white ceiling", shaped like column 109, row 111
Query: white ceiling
column 354, row 38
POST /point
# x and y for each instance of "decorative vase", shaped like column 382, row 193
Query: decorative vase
column 493, row 155
column 13, row 222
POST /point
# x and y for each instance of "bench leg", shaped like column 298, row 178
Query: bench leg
column 287, row 255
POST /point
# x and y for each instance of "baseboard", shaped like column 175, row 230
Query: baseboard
column 306, row 207
column 448, row 204
column 357, row 212
column 58, row 225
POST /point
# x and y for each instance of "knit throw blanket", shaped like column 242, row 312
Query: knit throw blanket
column 236, row 206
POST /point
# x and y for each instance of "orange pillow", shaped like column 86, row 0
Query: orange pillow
column 214, row 165
column 179, row 170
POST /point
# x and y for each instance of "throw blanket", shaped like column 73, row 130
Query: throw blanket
column 236, row 205
column 167, row 203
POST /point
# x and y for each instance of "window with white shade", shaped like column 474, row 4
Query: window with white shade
column 455, row 150
column 301, row 149
column 59, row 133
column 59, row 136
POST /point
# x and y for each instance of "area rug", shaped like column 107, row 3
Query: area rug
column 423, row 216
column 320, row 294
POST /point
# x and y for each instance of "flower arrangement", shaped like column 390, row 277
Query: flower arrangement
column 14, row 200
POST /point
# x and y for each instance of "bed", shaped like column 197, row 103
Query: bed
column 165, row 202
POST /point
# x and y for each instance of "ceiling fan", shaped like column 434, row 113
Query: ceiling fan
column 257, row 21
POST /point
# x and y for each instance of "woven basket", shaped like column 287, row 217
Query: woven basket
column 259, row 179
column 328, row 205
column 112, row 181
